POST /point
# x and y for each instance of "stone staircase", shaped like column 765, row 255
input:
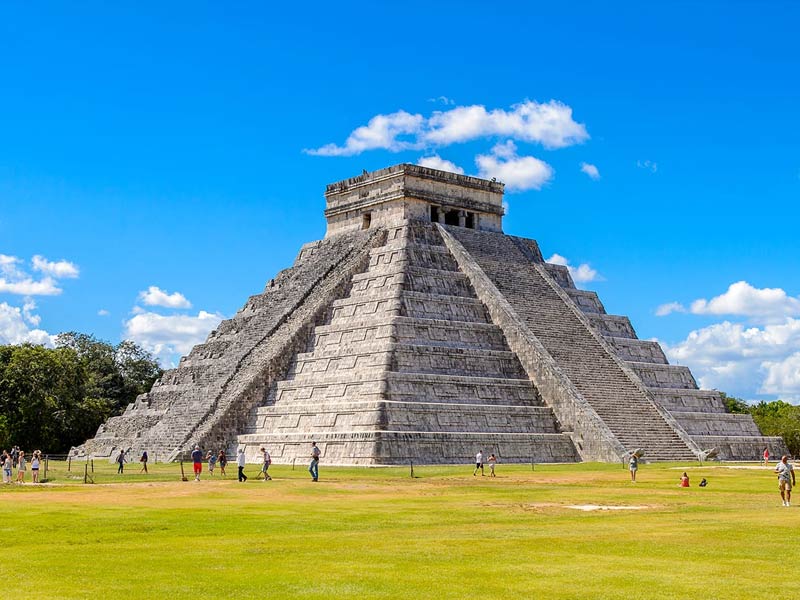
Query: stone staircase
column 408, row 367
column 616, row 397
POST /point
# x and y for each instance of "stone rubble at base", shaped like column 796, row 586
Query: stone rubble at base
column 417, row 331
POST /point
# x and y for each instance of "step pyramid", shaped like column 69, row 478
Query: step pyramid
column 417, row 331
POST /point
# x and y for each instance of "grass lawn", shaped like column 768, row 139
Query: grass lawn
column 377, row 533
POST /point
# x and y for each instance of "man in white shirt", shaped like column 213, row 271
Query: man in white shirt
column 786, row 480
column 241, row 462
column 478, row 463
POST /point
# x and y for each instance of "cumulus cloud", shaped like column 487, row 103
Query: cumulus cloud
column 741, row 298
column 382, row 131
column 170, row 336
column 669, row 308
column 19, row 325
column 519, row 173
column 103, row 313
column 59, row 269
column 590, row 170
column 583, row 273
column 549, row 124
column 436, row 162
column 743, row 360
column 155, row 296
column 14, row 278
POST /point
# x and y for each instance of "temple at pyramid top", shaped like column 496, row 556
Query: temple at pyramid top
column 388, row 196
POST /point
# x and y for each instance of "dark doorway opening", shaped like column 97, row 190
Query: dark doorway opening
column 451, row 217
column 470, row 222
column 434, row 214
column 366, row 220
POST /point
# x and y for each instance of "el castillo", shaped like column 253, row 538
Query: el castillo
column 417, row 331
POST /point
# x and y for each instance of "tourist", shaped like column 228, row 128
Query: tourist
column 121, row 462
column 786, row 480
column 241, row 462
column 8, row 465
column 14, row 455
column 21, row 467
column 684, row 480
column 266, row 462
column 633, row 466
column 313, row 468
column 478, row 464
column 197, row 462
column 765, row 457
column 492, row 463
column 223, row 461
column 143, row 459
column 211, row 457
column 35, row 464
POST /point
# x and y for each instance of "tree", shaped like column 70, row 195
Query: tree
column 55, row 398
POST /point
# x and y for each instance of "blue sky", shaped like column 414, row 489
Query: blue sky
column 155, row 158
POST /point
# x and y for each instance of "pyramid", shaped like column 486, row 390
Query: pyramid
column 417, row 331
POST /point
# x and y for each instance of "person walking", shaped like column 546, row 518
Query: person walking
column 197, row 462
column 21, row 467
column 7, row 467
column 143, row 459
column 478, row 464
column 223, row 462
column 211, row 457
column 267, row 461
column 241, row 462
column 633, row 466
column 765, row 457
column 313, row 468
column 786, row 480
column 492, row 463
column 121, row 462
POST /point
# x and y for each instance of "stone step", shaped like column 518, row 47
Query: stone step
column 406, row 252
column 588, row 302
column 404, row 447
column 403, row 416
column 410, row 387
column 689, row 400
column 635, row 350
column 413, row 279
column 664, row 376
column 612, row 325
column 438, row 332
column 728, row 424
column 561, row 275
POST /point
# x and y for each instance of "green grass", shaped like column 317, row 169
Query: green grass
column 377, row 533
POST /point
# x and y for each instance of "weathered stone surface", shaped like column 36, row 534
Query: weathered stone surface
column 417, row 331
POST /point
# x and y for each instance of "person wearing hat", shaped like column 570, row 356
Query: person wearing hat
column 197, row 462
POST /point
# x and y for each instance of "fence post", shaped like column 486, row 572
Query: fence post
column 85, row 473
column 92, row 466
column 294, row 459
column 69, row 464
column 46, row 464
column 412, row 468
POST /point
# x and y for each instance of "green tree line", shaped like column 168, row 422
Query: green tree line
column 773, row 418
column 55, row 398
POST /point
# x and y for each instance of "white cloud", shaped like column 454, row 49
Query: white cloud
column 30, row 287
column 58, row 269
column 669, row 308
column 170, row 336
column 647, row 165
column 103, row 313
column 382, row 131
column 583, row 273
column 590, row 170
column 743, row 360
column 519, row 173
column 15, row 328
column 549, row 124
column 760, row 304
column 437, row 162
column 15, row 280
column 155, row 296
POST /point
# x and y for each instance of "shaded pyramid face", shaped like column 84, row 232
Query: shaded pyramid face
column 418, row 331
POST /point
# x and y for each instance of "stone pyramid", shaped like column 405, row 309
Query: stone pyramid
column 418, row 331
